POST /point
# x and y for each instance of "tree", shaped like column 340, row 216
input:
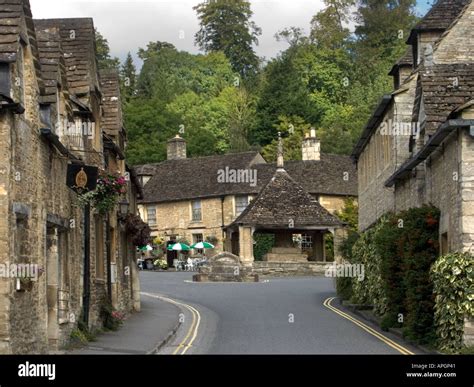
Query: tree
column 102, row 52
column 128, row 78
column 226, row 26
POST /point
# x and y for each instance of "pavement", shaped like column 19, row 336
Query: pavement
column 143, row 332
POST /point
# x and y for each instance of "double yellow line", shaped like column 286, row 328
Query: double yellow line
column 373, row 332
column 188, row 340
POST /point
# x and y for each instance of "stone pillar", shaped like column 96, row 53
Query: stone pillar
column 340, row 234
column 319, row 251
column 246, row 245
column 52, row 278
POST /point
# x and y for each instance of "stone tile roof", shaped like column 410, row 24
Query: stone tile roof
column 186, row 179
column 16, row 25
column 439, row 17
column 53, row 65
column 78, row 45
column 11, row 14
column 283, row 203
column 443, row 88
column 405, row 60
column 112, row 119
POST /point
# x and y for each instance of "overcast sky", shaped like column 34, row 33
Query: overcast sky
column 130, row 24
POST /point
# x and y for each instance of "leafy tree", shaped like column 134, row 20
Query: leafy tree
column 128, row 78
column 104, row 60
column 226, row 27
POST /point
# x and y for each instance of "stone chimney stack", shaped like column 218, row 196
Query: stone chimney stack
column 311, row 146
column 176, row 149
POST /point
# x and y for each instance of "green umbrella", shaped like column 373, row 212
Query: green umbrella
column 179, row 247
column 202, row 245
column 145, row 248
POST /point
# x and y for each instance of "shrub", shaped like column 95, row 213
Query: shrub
column 453, row 279
column 263, row 243
column 111, row 319
column 344, row 287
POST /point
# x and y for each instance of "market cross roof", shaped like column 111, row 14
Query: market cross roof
column 282, row 204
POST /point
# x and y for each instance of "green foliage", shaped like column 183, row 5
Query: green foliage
column 398, row 253
column 104, row 60
column 106, row 195
column 128, row 79
column 344, row 287
column 111, row 319
column 226, row 26
column 349, row 214
column 263, row 243
column 453, row 279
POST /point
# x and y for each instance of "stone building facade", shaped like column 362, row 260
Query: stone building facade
column 197, row 198
column 418, row 146
column 49, row 92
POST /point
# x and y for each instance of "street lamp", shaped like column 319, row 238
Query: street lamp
column 123, row 209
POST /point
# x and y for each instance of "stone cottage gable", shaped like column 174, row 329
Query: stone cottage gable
column 283, row 203
column 439, row 17
column 457, row 43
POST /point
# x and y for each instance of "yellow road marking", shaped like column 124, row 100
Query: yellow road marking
column 373, row 332
column 194, row 325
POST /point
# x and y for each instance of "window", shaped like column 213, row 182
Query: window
column 45, row 113
column 151, row 215
column 196, row 210
column 306, row 241
column 5, row 80
column 241, row 203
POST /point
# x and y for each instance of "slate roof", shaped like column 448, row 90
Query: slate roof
column 78, row 45
column 441, row 96
column 112, row 120
column 186, row 179
column 439, row 17
column 284, row 203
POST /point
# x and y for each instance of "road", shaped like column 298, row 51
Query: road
column 280, row 316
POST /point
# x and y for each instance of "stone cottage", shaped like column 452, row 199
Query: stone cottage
column 418, row 146
column 197, row 198
column 50, row 119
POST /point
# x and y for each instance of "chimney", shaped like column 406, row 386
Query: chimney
column 311, row 146
column 176, row 148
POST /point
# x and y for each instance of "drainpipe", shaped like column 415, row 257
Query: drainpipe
column 108, row 259
column 222, row 222
column 86, row 294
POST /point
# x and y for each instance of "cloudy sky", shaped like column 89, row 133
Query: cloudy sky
column 129, row 24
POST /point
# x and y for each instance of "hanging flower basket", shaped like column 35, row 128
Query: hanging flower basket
column 105, row 197
column 138, row 230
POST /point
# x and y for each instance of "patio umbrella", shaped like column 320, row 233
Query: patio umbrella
column 202, row 245
column 179, row 247
column 146, row 248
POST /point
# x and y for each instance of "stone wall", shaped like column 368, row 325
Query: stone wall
column 288, row 269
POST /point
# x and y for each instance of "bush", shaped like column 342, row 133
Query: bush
column 263, row 243
column 344, row 287
column 453, row 279
column 111, row 319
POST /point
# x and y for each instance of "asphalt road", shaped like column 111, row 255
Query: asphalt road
column 281, row 316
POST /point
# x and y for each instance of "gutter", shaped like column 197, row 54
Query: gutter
column 433, row 143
